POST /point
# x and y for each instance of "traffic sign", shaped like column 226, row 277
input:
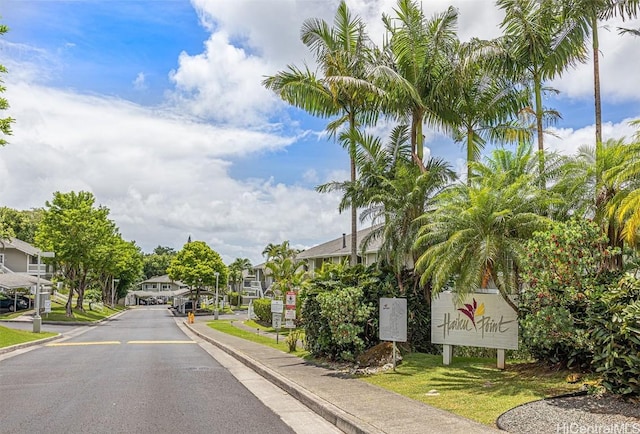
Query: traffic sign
column 276, row 321
column 291, row 299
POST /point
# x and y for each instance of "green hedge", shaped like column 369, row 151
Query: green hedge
column 615, row 322
column 262, row 309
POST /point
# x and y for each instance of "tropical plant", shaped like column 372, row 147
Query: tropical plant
column 286, row 271
column 586, row 14
column 563, row 271
column 538, row 45
column 600, row 183
column 343, row 89
column 481, row 105
column 614, row 321
column 476, row 235
column 236, row 271
column 415, row 65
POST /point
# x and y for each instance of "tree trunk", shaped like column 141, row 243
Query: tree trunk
column 354, row 206
column 69, row 303
column 539, row 128
column 596, row 86
column 417, row 145
column 470, row 154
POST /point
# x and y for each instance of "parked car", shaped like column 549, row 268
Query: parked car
column 8, row 302
column 147, row 301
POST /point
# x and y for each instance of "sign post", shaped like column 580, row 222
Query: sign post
column 393, row 322
column 482, row 320
column 290, row 312
column 276, row 316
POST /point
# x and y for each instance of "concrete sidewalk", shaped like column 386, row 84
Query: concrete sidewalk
column 352, row 405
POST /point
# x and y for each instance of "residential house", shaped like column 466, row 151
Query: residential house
column 338, row 250
column 158, row 286
column 19, row 265
column 334, row 251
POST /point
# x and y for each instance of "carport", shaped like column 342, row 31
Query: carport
column 12, row 282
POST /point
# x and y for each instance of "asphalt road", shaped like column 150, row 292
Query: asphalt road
column 138, row 373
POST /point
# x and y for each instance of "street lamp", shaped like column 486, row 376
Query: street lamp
column 37, row 320
column 215, row 309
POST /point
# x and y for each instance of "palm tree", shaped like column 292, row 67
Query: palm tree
column 477, row 234
column 393, row 192
column 236, row 271
column 343, row 54
column 416, row 61
column 588, row 13
column 538, row 45
column 482, row 106
column 602, row 183
column 634, row 32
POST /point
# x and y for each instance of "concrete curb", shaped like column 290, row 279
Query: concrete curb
column 29, row 344
column 336, row 416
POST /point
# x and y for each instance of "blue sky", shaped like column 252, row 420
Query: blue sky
column 157, row 108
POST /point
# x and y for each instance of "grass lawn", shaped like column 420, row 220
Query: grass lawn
column 472, row 388
column 59, row 313
column 225, row 326
column 10, row 337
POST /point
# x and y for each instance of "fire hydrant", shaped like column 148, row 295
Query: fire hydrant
column 191, row 318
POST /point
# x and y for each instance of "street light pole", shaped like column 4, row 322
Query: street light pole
column 37, row 319
column 215, row 310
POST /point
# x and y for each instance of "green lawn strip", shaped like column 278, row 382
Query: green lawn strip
column 10, row 336
column 12, row 315
column 472, row 388
column 59, row 313
column 225, row 326
column 256, row 325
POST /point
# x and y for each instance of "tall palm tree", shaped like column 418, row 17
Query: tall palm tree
column 417, row 53
column 477, row 233
column 589, row 13
column 538, row 45
column 481, row 105
column 342, row 89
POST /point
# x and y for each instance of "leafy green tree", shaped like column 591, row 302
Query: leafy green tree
column 5, row 123
column 23, row 224
column 118, row 266
column 342, row 89
column 77, row 232
column 156, row 263
column 196, row 265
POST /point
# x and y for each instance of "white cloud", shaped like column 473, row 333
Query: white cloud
column 567, row 140
column 139, row 83
column 162, row 176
